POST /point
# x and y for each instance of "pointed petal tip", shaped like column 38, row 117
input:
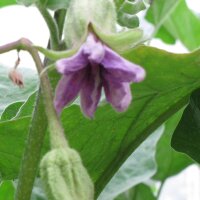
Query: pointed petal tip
column 140, row 74
column 124, row 103
column 88, row 115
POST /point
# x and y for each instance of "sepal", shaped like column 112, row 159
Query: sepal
column 81, row 14
column 120, row 41
column 56, row 55
column 64, row 176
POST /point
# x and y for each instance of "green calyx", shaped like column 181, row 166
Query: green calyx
column 98, row 16
column 100, row 13
column 64, row 176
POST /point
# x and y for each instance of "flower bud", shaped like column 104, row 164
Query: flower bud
column 64, row 176
column 81, row 14
column 16, row 78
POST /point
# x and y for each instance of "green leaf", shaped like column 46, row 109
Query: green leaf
column 11, row 111
column 7, row 190
column 11, row 93
column 139, row 167
column 58, row 4
column 157, row 14
column 186, row 137
column 173, row 162
column 7, row 3
column 51, row 4
column 104, row 148
column 121, row 41
column 177, row 20
column 106, row 142
column 27, row 108
column 139, row 192
column 12, row 141
column 159, row 11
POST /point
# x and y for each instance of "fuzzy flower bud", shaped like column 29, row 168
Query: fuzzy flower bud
column 65, row 177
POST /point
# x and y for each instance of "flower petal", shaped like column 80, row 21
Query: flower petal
column 94, row 49
column 67, row 89
column 91, row 91
column 72, row 64
column 119, row 69
column 118, row 94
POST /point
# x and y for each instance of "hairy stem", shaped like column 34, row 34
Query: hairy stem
column 37, row 130
column 35, row 140
column 52, row 25
column 31, row 160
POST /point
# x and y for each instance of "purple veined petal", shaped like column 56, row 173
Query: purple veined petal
column 94, row 49
column 72, row 64
column 67, row 89
column 118, row 94
column 119, row 69
column 91, row 91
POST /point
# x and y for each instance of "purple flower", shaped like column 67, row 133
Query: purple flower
column 93, row 67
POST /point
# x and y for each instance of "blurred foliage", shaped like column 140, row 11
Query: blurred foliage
column 106, row 142
column 173, row 20
column 187, row 135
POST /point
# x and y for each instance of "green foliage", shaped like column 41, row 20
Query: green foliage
column 104, row 148
column 7, row 190
column 78, row 20
column 173, row 162
column 140, row 192
column 51, row 4
column 174, row 20
column 7, row 3
column 11, row 111
column 139, row 167
column 186, row 138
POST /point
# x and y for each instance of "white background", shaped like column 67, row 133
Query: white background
column 18, row 21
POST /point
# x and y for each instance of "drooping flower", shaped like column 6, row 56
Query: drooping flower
column 93, row 67
column 16, row 78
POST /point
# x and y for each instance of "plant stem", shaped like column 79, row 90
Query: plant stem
column 60, row 18
column 36, row 141
column 52, row 25
column 160, row 189
column 31, row 160
column 36, row 133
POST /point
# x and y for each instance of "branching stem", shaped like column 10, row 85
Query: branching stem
column 55, row 128
column 52, row 26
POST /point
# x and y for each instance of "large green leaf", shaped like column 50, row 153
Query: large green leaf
column 176, row 21
column 12, row 138
column 7, row 3
column 106, row 142
column 140, row 192
column 11, row 111
column 173, row 162
column 7, row 190
column 139, row 167
column 187, row 135
column 11, row 93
